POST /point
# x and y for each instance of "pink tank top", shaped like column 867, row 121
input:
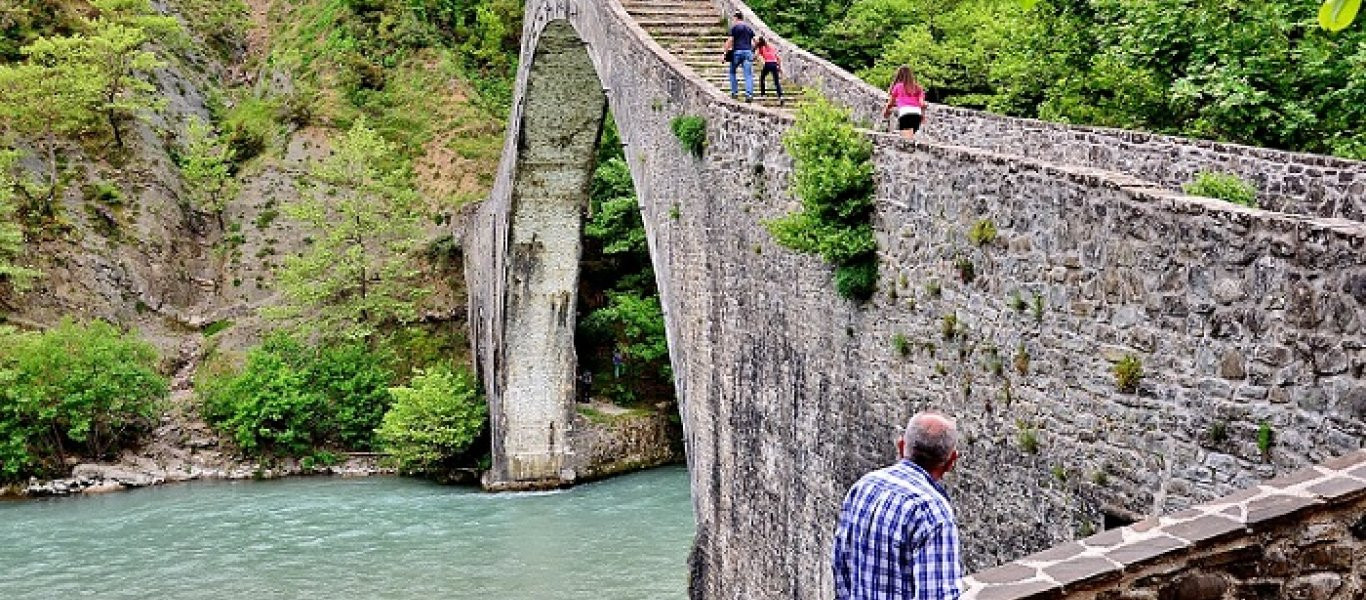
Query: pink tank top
column 903, row 97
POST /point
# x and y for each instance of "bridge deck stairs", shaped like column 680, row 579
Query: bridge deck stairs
column 693, row 31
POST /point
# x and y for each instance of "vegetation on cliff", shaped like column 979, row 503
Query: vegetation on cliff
column 1262, row 73
column 72, row 391
column 400, row 102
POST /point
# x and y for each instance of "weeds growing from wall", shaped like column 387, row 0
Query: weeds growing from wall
column 1128, row 373
column 1022, row 360
column 691, row 131
column 833, row 178
column 967, row 271
column 1223, row 186
column 901, row 344
column 1218, row 432
column 1266, row 437
column 983, row 233
column 1027, row 436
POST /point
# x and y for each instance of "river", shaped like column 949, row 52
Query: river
column 625, row 538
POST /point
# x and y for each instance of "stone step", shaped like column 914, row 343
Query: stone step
column 635, row 5
column 664, row 19
column 687, row 31
column 688, row 15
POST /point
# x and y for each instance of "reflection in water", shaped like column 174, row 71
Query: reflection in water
column 381, row 538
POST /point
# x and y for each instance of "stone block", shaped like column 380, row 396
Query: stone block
column 1195, row 586
column 1319, row 586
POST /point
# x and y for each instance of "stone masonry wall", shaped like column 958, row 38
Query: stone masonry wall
column 614, row 444
column 1289, row 182
column 1239, row 318
column 1302, row 536
column 788, row 393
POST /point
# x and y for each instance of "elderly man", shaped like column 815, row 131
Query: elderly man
column 897, row 539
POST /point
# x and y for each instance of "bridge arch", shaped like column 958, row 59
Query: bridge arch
column 580, row 60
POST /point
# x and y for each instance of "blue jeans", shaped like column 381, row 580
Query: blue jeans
column 745, row 60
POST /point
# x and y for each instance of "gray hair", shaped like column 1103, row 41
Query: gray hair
column 930, row 438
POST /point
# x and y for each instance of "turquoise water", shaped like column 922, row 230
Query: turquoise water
column 370, row 538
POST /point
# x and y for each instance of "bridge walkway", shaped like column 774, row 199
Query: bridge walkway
column 693, row 31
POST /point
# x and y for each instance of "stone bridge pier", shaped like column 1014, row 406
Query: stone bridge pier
column 579, row 59
column 1247, row 323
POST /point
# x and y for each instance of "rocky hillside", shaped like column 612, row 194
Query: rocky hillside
column 175, row 222
column 129, row 246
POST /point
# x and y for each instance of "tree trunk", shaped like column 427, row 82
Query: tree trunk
column 114, row 124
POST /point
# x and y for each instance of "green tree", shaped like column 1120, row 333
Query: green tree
column 362, row 211
column 73, row 390
column 45, row 101
column 833, row 178
column 116, row 50
column 206, row 167
column 11, row 233
column 433, row 421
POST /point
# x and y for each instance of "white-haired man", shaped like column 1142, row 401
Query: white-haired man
column 897, row 538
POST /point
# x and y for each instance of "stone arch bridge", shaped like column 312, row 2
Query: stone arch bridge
column 1247, row 323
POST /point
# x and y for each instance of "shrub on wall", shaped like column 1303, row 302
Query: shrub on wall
column 1128, row 373
column 692, row 133
column 833, row 178
column 1222, row 186
column 74, row 390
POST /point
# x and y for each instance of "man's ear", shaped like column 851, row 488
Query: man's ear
column 900, row 447
column 953, row 460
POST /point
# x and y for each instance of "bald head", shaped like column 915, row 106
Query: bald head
column 930, row 440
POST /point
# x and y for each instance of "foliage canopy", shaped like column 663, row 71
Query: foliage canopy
column 74, row 390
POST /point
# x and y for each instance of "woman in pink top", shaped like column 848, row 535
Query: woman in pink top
column 908, row 99
column 772, row 65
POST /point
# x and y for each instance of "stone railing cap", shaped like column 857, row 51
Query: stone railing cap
column 1109, row 554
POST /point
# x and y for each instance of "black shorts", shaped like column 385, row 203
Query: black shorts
column 909, row 121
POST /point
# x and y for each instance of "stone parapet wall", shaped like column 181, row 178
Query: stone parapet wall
column 1289, row 182
column 1301, row 536
column 1239, row 317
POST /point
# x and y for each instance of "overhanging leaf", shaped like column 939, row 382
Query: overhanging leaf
column 1336, row 15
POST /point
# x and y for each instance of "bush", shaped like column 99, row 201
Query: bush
column 982, row 233
column 291, row 399
column 901, row 344
column 1128, row 373
column 249, row 127
column 692, row 132
column 74, row 390
column 1266, row 437
column 1223, row 186
column 833, row 177
column 433, row 421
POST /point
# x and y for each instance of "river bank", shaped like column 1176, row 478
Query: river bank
column 610, row 441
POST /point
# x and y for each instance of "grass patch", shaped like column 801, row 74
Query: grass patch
column 1128, row 374
column 691, row 131
column 216, row 327
column 1223, row 186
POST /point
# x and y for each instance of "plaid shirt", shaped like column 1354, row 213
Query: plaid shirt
column 896, row 539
